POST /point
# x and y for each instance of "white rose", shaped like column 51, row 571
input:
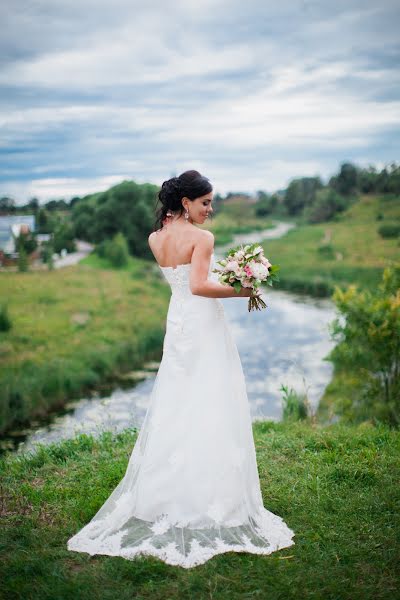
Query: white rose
column 265, row 261
column 231, row 265
column 239, row 255
column 259, row 270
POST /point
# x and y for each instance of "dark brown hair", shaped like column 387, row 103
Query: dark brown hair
column 190, row 184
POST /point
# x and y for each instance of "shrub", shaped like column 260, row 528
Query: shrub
column 116, row 250
column 22, row 259
column 390, row 230
column 326, row 251
column 47, row 252
column 5, row 321
column 368, row 337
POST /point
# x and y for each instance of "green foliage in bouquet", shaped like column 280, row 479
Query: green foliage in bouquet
column 246, row 266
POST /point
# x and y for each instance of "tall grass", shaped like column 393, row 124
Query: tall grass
column 73, row 329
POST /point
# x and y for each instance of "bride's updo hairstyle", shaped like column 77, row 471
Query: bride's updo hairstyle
column 190, row 184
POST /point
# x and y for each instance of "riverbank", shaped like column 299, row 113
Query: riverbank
column 236, row 217
column 335, row 486
column 74, row 329
column 315, row 258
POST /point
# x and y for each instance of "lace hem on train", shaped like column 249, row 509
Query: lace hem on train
column 180, row 546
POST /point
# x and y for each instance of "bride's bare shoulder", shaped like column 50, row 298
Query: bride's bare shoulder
column 204, row 235
column 204, row 240
column 151, row 238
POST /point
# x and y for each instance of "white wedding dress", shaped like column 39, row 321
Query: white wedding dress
column 191, row 489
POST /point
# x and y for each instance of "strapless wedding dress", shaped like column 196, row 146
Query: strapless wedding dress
column 191, row 489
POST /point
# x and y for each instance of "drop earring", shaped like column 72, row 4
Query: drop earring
column 186, row 215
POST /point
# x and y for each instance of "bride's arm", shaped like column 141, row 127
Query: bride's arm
column 199, row 284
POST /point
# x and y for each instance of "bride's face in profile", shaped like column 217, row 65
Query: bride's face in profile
column 200, row 208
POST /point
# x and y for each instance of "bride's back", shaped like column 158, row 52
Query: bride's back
column 174, row 244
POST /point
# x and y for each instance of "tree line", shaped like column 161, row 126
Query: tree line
column 128, row 207
column 310, row 198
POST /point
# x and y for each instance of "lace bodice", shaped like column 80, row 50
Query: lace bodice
column 178, row 277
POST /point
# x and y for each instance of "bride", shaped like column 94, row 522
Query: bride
column 191, row 489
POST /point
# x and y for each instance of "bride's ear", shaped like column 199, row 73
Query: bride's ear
column 184, row 202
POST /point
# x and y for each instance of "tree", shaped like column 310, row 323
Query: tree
column 26, row 241
column 64, row 237
column 300, row 193
column 33, row 205
column 327, row 203
column 265, row 204
column 7, row 205
column 22, row 260
column 346, row 182
column 127, row 208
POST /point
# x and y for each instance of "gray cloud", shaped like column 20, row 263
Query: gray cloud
column 251, row 94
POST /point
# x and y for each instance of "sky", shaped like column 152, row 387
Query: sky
column 251, row 94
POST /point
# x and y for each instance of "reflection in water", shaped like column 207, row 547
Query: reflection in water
column 283, row 344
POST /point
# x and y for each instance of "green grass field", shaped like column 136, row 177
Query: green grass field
column 336, row 487
column 73, row 329
column 315, row 258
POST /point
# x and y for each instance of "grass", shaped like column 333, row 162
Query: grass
column 74, row 328
column 336, row 486
column 315, row 258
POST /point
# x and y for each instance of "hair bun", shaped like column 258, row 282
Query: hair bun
column 170, row 189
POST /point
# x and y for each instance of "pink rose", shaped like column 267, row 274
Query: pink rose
column 231, row 265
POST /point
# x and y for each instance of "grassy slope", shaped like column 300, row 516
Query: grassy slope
column 365, row 254
column 359, row 253
column 335, row 486
column 48, row 357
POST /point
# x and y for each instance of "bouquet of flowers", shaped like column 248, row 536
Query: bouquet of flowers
column 246, row 266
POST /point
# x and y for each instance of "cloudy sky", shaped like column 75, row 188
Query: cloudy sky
column 251, row 93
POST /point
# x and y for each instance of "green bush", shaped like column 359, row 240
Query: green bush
column 23, row 263
column 368, row 334
column 390, row 230
column 5, row 321
column 47, row 252
column 326, row 251
column 116, row 250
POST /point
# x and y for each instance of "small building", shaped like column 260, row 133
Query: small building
column 10, row 228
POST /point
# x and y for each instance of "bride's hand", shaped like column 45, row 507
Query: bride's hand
column 246, row 292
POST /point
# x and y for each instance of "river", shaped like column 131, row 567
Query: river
column 284, row 344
